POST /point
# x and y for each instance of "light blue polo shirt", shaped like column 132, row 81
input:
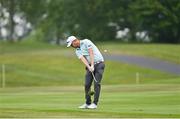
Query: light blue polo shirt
column 83, row 51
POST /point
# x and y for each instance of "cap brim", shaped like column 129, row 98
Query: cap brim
column 69, row 44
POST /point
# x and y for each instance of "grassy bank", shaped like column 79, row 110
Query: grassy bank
column 34, row 64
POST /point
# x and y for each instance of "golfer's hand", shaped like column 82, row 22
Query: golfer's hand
column 91, row 68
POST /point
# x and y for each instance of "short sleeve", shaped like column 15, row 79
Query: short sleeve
column 78, row 54
column 88, row 44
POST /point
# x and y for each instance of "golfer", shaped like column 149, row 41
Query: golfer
column 89, row 54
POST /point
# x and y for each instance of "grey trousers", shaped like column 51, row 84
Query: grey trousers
column 98, row 73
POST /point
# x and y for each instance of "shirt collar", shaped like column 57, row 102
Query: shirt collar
column 81, row 43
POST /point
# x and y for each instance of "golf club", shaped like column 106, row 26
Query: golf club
column 94, row 77
column 92, row 92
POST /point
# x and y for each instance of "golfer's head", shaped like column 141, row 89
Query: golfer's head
column 73, row 41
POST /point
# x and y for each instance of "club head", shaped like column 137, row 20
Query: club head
column 91, row 93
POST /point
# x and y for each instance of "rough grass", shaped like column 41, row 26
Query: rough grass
column 37, row 64
column 167, row 52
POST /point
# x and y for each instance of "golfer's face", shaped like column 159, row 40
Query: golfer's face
column 75, row 44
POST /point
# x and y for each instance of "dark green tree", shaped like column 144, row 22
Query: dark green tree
column 159, row 17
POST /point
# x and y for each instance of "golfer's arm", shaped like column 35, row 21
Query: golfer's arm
column 84, row 61
column 91, row 54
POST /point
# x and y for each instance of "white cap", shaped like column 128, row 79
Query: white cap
column 70, row 40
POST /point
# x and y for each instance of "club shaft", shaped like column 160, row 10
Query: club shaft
column 94, row 77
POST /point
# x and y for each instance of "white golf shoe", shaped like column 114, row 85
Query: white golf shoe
column 84, row 106
column 92, row 106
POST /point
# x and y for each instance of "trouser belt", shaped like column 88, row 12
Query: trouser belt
column 98, row 62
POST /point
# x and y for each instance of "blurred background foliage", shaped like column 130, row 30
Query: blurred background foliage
column 156, row 21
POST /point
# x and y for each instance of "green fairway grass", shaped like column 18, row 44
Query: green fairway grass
column 116, row 101
column 45, row 80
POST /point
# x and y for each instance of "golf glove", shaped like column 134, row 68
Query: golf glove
column 91, row 68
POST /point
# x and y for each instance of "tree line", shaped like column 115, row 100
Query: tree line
column 101, row 20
